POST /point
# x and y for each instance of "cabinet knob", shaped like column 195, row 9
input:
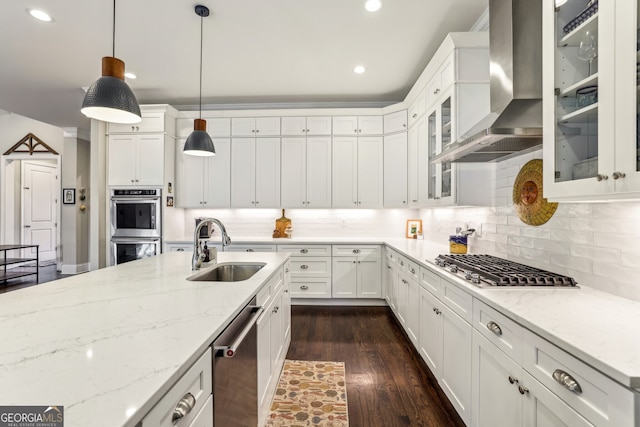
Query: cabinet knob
column 355, row 131
column 253, row 131
column 404, row 125
column 183, row 407
column 512, row 380
column 132, row 181
column 257, row 130
column 413, row 271
column 257, row 202
column 618, row 175
column 523, row 390
column 275, row 309
column 27, row 226
column 600, row 177
column 414, row 201
column 307, row 130
column 414, row 116
column 249, row 250
column 437, row 91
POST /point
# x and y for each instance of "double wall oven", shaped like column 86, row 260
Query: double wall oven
column 136, row 224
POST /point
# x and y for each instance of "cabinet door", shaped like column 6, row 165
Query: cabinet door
column 150, row 169
column 545, row 409
column 122, row 159
column 318, row 177
column 402, row 301
column 277, row 339
column 217, row 189
column 345, row 125
column 369, row 280
column 294, row 172
column 395, row 170
column 243, row 165
column 495, row 378
column 286, row 315
column 344, row 187
column 294, row 126
column 395, row 122
column 268, row 126
column 190, row 178
column 243, row 126
column 432, row 149
column 265, row 364
column 370, row 172
column 344, row 277
column 387, row 285
column 413, row 311
column 455, row 379
column 417, row 108
column 430, row 332
column 318, row 125
column 417, row 164
column 267, row 181
column 370, row 125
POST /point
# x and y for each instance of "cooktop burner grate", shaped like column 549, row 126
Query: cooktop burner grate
column 502, row 272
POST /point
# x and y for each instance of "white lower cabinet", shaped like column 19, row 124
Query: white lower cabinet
column 390, row 280
column 310, row 270
column 409, row 305
column 356, row 272
column 274, row 336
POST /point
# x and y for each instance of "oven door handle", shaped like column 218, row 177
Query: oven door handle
column 128, row 240
column 149, row 199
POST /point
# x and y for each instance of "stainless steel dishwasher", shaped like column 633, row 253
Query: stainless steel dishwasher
column 235, row 371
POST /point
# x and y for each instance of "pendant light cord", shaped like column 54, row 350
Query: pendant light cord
column 113, row 44
column 201, row 30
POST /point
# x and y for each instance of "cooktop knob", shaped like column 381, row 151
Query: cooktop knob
column 467, row 275
column 475, row 278
column 453, row 268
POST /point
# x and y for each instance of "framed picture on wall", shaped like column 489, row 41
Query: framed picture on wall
column 414, row 227
column 69, row 196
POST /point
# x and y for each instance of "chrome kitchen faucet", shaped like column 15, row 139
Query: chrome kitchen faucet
column 196, row 261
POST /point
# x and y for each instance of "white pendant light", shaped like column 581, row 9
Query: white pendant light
column 199, row 142
column 110, row 99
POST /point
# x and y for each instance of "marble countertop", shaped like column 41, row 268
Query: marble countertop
column 108, row 344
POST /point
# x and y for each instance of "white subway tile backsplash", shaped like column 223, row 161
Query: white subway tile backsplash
column 574, row 236
column 524, row 242
column 571, row 262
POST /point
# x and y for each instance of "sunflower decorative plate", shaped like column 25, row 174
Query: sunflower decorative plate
column 531, row 207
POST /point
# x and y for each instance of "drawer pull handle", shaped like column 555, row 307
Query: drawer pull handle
column 250, row 250
column 413, row 271
column 512, row 380
column 183, row 407
column 304, row 251
column 493, row 327
column 304, row 287
column 304, row 266
column 567, row 381
column 356, row 251
column 180, row 250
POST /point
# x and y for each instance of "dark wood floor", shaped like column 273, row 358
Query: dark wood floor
column 45, row 274
column 388, row 384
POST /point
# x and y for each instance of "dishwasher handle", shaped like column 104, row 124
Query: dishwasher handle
column 230, row 350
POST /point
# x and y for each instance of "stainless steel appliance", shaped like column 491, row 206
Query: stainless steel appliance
column 130, row 249
column 136, row 213
column 235, row 371
column 488, row 270
column 136, row 223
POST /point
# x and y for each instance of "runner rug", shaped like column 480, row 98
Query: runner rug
column 310, row 394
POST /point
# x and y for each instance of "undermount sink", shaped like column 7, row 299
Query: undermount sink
column 231, row 272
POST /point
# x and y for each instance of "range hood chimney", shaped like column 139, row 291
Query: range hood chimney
column 514, row 125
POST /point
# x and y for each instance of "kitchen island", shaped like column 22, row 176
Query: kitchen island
column 108, row 344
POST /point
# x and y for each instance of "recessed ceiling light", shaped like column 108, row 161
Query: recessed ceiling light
column 373, row 5
column 359, row 69
column 40, row 15
column 130, row 75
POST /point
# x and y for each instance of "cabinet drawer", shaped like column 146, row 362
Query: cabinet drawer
column 306, row 250
column 599, row 399
column 357, row 250
column 503, row 332
column 151, row 122
column 430, row 281
column 457, row 300
column 270, row 288
column 205, row 416
column 251, row 248
column 197, row 382
column 402, row 263
column 412, row 269
column 390, row 255
column 311, row 288
column 310, row 266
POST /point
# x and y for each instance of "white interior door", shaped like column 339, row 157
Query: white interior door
column 39, row 219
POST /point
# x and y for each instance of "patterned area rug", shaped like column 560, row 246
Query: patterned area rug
column 310, row 394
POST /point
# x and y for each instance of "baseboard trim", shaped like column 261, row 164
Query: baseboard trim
column 74, row 268
column 339, row 301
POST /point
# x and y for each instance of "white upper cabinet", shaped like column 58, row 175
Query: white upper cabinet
column 417, row 108
column 357, row 169
column 416, row 159
column 258, row 126
column 395, row 170
column 255, row 172
column 590, row 106
column 204, row 182
column 136, row 160
column 395, row 122
column 357, row 125
column 298, row 126
column 441, row 80
column 151, row 122
column 306, row 172
column 218, row 127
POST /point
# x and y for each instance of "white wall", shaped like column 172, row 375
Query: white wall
column 595, row 243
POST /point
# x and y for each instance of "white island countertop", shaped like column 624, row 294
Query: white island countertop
column 108, row 344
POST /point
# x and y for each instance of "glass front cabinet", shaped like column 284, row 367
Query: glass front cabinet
column 591, row 64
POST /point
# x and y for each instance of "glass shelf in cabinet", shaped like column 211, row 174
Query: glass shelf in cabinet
column 574, row 37
column 582, row 115
column 570, row 91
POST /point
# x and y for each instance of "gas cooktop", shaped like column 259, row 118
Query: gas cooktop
column 496, row 271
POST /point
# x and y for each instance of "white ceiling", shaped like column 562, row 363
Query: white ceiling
column 255, row 51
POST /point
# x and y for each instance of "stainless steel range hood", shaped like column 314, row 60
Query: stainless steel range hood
column 514, row 125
